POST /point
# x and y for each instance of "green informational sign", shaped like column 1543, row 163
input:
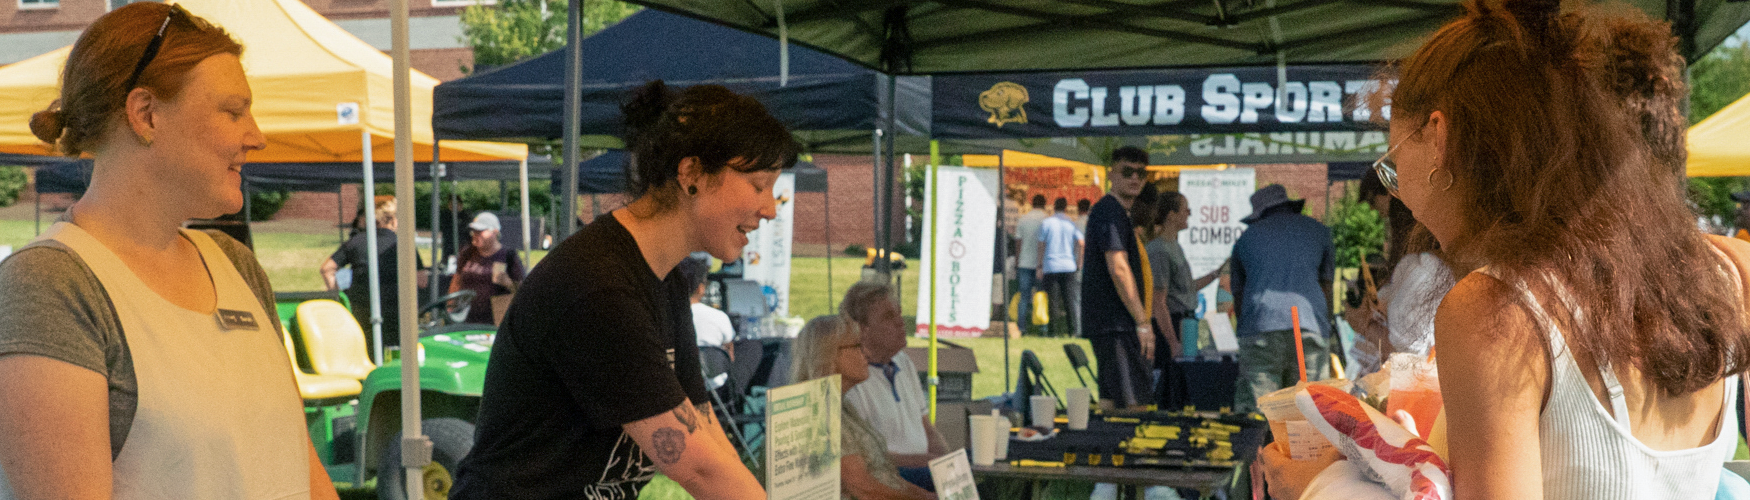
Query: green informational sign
column 953, row 477
column 802, row 456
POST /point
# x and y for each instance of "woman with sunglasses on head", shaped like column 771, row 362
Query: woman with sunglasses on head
column 594, row 384
column 1594, row 339
column 139, row 359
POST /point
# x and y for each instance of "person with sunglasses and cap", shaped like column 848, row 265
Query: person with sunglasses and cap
column 139, row 359
column 1113, row 315
column 487, row 267
column 1283, row 262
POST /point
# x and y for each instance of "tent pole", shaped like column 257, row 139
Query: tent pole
column 930, row 274
column 1003, row 258
column 39, row 213
column 415, row 447
column 437, row 234
column 367, row 206
column 875, row 225
column 887, row 201
column 246, row 202
column 573, row 112
column 826, row 210
column 522, row 174
column 340, row 211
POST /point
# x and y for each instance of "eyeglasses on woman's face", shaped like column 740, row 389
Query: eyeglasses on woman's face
column 1387, row 169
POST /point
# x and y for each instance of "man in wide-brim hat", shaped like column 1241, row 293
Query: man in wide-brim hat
column 1282, row 263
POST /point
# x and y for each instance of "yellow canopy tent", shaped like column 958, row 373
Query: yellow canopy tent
column 1720, row 145
column 1085, row 173
column 318, row 90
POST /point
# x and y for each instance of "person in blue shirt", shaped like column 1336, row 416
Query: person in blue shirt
column 1284, row 261
column 1061, row 246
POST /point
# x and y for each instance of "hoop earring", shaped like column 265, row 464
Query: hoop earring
column 1450, row 180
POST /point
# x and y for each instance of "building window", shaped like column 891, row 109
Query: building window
column 117, row 4
column 38, row 4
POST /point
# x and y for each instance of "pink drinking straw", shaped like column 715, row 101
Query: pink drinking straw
column 1299, row 346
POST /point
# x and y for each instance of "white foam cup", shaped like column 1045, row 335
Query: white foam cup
column 1044, row 411
column 1002, row 430
column 1077, row 404
column 982, row 429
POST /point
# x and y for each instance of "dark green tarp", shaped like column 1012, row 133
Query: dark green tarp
column 945, row 36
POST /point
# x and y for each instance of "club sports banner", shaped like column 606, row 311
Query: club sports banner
column 1218, row 199
column 1156, row 102
column 959, row 271
column 767, row 254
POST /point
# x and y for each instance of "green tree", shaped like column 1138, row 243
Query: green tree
column 1717, row 80
column 515, row 30
column 12, row 182
column 1356, row 230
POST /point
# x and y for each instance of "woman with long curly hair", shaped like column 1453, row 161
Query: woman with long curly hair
column 1592, row 346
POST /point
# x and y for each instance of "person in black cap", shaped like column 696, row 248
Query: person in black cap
column 1285, row 260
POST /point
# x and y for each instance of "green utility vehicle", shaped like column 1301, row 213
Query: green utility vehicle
column 353, row 407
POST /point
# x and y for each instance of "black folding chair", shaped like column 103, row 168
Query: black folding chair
column 1078, row 362
column 1033, row 383
column 714, row 361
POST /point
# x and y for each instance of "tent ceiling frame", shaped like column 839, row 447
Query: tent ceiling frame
column 1116, row 18
column 1053, row 22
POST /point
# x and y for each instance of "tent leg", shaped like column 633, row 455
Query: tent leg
column 523, row 186
column 246, row 203
column 1003, row 260
column 39, row 214
column 875, row 224
column 573, row 112
column 368, row 199
column 437, row 235
column 826, row 210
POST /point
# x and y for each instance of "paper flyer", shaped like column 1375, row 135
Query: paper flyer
column 953, row 477
column 802, row 451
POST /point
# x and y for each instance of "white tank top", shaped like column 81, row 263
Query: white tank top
column 218, row 416
column 1590, row 455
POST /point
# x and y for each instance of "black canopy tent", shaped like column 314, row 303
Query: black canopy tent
column 934, row 37
column 942, row 37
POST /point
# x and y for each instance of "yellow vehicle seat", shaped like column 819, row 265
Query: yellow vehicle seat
column 314, row 387
column 333, row 340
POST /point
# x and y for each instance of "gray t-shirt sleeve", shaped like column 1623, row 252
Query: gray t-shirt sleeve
column 52, row 305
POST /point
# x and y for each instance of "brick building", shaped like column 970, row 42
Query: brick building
column 29, row 28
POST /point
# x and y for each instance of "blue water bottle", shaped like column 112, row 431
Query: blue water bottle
column 1188, row 337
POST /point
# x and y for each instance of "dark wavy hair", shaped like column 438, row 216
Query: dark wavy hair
column 1572, row 192
column 709, row 122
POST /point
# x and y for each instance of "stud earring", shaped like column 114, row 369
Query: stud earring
column 692, row 190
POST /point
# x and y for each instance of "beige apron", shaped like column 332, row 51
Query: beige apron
column 219, row 416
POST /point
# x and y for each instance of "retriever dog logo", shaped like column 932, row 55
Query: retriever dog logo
column 1004, row 101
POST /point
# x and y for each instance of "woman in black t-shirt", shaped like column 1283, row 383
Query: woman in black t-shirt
column 594, row 383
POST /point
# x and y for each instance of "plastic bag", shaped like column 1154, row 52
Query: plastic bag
column 1041, row 308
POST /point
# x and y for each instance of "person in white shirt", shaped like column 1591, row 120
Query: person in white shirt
column 711, row 326
column 892, row 399
column 1028, row 258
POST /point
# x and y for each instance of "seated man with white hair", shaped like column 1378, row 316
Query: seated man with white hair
column 892, row 399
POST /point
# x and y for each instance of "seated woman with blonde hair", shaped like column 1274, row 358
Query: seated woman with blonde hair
column 832, row 345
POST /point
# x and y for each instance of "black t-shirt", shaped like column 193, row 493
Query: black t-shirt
column 593, row 341
column 1109, row 229
column 354, row 254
